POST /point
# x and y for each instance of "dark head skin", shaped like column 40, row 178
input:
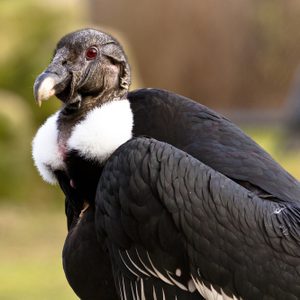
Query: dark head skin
column 88, row 68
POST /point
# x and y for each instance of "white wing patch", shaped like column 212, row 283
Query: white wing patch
column 104, row 129
column 154, row 293
column 145, row 267
column 209, row 293
column 127, row 266
column 148, row 269
column 45, row 150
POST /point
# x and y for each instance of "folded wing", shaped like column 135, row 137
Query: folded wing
column 177, row 228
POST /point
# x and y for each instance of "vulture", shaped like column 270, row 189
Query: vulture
column 165, row 198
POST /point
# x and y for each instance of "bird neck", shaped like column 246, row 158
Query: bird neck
column 90, row 102
column 76, row 110
column 83, row 103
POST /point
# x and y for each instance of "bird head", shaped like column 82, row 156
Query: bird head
column 86, row 63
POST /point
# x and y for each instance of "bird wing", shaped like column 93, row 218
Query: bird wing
column 213, row 139
column 173, row 225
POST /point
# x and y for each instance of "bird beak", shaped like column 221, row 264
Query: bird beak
column 44, row 86
column 52, row 81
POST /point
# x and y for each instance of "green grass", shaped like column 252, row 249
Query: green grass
column 274, row 141
column 30, row 254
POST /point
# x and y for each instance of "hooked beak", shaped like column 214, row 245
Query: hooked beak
column 44, row 86
column 53, row 81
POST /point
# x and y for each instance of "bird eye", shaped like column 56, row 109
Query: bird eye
column 91, row 53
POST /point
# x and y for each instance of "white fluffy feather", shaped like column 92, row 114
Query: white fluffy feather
column 104, row 129
column 45, row 151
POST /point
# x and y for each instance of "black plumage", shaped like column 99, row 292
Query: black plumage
column 211, row 138
column 187, row 215
column 87, row 86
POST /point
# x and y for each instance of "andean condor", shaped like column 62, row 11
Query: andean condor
column 252, row 201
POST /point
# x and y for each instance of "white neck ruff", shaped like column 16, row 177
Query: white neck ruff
column 96, row 137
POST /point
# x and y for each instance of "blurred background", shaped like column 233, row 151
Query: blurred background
column 239, row 57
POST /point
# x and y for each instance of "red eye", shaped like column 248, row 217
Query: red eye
column 91, row 53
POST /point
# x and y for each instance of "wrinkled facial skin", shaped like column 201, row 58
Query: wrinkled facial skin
column 85, row 63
